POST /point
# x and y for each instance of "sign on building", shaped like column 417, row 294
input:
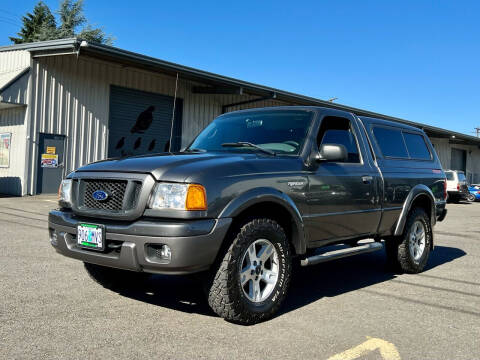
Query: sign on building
column 49, row 160
column 5, row 142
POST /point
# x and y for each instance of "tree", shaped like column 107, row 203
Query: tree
column 41, row 25
column 72, row 17
column 38, row 26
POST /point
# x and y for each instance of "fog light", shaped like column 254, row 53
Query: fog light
column 164, row 252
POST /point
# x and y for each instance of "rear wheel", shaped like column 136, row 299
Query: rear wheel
column 251, row 282
column 409, row 253
column 471, row 197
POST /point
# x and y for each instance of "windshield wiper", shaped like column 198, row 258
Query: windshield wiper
column 194, row 150
column 248, row 144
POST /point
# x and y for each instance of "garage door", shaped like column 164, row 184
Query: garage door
column 459, row 159
column 140, row 122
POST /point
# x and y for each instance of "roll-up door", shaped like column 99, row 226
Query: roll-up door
column 459, row 159
column 140, row 122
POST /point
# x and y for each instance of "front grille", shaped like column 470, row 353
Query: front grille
column 114, row 188
column 136, row 193
column 123, row 200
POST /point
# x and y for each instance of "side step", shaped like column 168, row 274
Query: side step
column 338, row 254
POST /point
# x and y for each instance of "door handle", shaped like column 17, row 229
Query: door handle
column 367, row 179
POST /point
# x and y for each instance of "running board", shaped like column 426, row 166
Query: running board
column 338, row 254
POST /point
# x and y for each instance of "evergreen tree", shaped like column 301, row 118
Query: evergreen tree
column 41, row 25
column 72, row 17
column 37, row 26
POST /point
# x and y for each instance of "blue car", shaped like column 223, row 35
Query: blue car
column 474, row 194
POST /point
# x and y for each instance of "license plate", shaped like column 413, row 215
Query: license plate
column 91, row 236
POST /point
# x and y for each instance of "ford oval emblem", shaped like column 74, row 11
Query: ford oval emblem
column 100, row 195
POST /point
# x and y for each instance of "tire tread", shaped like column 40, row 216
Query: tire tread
column 222, row 295
column 398, row 252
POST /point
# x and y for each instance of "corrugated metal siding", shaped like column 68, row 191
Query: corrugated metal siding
column 78, row 89
column 442, row 148
column 11, row 178
column 444, row 151
column 12, row 63
column 17, row 91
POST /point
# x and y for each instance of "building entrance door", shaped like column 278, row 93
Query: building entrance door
column 50, row 165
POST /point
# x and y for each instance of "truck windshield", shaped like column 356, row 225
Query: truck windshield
column 279, row 131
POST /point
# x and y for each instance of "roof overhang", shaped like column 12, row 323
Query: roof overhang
column 11, row 78
column 7, row 105
column 128, row 58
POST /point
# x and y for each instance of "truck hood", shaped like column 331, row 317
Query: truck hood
column 180, row 167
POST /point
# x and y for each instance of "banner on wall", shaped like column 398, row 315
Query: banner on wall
column 5, row 141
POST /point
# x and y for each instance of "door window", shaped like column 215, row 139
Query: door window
column 336, row 130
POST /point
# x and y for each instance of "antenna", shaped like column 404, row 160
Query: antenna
column 173, row 115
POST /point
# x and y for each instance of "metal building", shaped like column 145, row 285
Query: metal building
column 66, row 103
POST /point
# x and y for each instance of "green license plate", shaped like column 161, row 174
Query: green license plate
column 91, row 236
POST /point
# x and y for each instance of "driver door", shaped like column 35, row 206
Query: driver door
column 342, row 198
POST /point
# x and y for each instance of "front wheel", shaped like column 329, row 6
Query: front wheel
column 409, row 252
column 251, row 282
column 471, row 197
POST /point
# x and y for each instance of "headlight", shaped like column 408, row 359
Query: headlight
column 65, row 193
column 178, row 197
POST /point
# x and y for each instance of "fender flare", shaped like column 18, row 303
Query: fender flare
column 266, row 194
column 417, row 190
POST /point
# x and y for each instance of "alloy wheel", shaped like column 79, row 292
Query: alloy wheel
column 259, row 270
column 417, row 241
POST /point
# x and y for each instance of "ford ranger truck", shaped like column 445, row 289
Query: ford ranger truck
column 256, row 191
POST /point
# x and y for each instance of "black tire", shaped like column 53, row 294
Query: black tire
column 399, row 256
column 471, row 198
column 115, row 279
column 225, row 293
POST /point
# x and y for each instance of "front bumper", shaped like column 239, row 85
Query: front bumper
column 130, row 246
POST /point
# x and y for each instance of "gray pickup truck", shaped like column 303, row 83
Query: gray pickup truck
column 255, row 192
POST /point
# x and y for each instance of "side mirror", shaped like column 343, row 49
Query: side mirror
column 332, row 152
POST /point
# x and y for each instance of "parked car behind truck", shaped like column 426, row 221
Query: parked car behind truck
column 474, row 192
column 256, row 191
column 457, row 187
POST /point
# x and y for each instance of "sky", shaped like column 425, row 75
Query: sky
column 417, row 60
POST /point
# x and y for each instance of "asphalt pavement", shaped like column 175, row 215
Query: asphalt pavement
column 345, row 309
